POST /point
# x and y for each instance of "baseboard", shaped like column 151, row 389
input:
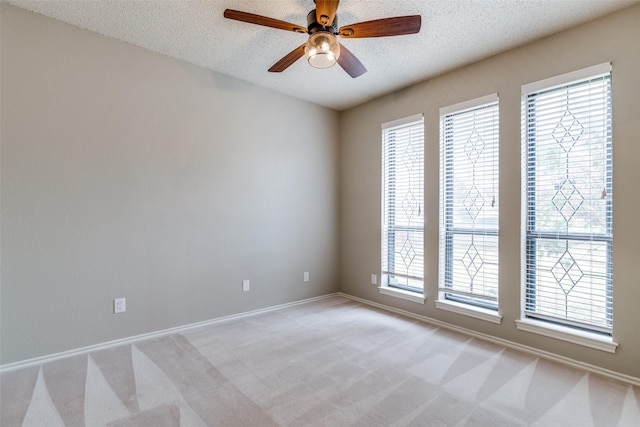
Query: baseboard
column 102, row 346
column 505, row 343
column 499, row 341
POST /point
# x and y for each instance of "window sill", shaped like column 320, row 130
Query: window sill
column 584, row 338
column 401, row 293
column 471, row 311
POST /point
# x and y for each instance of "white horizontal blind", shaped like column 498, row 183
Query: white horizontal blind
column 403, row 204
column 568, row 183
column 469, row 202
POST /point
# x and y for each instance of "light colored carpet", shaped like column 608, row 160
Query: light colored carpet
column 332, row 362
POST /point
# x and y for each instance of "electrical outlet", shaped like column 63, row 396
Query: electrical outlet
column 246, row 286
column 306, row 276
column 119, row 305
column 374, row 279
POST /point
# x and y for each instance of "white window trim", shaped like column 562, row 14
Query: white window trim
column 403, row 294
column 402, row 121
column 467, row 105
column 565, row 333
column 470, row 310
column 563, row 79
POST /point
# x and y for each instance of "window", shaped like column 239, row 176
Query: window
column 403, row 204
column 567, row 189
column 469, row 203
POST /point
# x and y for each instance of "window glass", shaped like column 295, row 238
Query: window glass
column 568, row 185
column 469, row 135
column 403, row 204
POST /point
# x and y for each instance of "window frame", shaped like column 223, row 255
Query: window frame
column 458, row 301
column 388, row 285
column 590, row 335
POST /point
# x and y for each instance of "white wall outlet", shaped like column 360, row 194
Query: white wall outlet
column 119, row 305
column 306, row 276
column 246, row 286
column 374, row 279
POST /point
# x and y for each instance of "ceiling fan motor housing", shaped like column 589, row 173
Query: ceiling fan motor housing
column 313, row 26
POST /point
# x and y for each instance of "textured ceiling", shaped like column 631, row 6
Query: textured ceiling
column 454, row 33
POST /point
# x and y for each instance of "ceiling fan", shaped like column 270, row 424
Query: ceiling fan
column 322, row 49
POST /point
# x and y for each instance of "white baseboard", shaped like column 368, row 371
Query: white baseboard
column 502, row 342
column 102, row 346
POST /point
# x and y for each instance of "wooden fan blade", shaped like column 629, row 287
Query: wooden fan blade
column 263, row 20
column 326, row 11
column 396, row 26
column 289, row 59
column 350, row 63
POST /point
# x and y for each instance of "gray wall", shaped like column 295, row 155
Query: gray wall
column 125, row 173
column 614, row 38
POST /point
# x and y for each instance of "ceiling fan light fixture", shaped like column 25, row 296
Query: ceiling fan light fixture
column 322, row 50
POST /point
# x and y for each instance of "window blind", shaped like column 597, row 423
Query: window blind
column 469, row 202
column 567, row 153
column 403, row 203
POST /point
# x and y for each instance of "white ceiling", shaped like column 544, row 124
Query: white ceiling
column 454, row 33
